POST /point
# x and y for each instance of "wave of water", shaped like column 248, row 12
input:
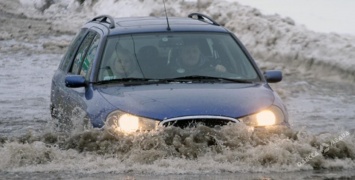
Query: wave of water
column 228, row 149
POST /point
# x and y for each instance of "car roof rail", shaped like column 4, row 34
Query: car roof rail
column 203, row 18
column 103, row 18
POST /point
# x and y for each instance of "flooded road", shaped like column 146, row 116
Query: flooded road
column 321, row 144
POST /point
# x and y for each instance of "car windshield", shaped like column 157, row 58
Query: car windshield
column 175, row 56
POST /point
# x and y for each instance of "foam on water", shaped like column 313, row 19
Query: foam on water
column 171, row 150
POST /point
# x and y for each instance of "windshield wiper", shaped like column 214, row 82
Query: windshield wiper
column 128, row 81
column 206, row 79
column 138, row 81
column 145, row 81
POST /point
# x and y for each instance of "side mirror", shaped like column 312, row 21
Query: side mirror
column 75, row 81
column 273, row 76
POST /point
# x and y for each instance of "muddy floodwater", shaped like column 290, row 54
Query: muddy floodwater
column 320, row 144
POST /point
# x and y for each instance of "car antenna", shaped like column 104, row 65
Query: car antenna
column 166, row 15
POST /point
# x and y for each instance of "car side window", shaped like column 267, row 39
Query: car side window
column 89, row 58
column 79, row 57
column 68, row 57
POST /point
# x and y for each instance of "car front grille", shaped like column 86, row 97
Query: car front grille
column 210, row 121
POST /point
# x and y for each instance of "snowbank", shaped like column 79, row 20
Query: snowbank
column 276, row 39
column 269, row 38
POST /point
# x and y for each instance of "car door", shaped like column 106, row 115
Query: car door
column 82, row 65
column 71, row 100
column 59, row 95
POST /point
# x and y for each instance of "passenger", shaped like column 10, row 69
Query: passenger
column 191, row 59
column 122, row 65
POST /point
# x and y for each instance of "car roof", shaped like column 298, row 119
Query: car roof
column 126, row 25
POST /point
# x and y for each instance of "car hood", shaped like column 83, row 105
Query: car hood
column 164, row 101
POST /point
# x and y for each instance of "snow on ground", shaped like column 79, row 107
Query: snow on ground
column 328, row 16
column 268, row 37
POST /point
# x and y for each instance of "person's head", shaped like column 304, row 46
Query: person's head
column 190, row 54
column 123, row 62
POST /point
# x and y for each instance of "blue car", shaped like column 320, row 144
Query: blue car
column 139, row 73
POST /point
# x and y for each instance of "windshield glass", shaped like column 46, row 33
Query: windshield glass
column 175, row 55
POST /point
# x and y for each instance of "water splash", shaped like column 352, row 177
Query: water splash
column 199, row 150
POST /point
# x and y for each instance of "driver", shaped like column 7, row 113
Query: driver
column 191, row 59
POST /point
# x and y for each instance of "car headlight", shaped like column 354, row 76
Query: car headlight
column 126, row 122
column 268, row 117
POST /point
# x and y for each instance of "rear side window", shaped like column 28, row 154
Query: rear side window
column 68, row 57
column 80, row 55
